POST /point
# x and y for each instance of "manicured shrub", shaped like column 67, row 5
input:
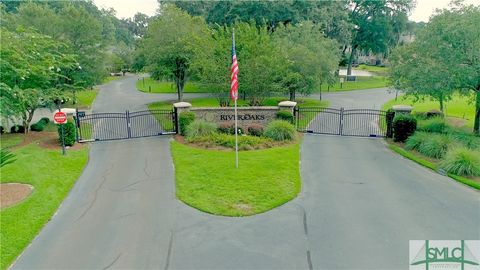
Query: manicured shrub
column 17, row 129
column 434, row 114
column 229, row 128
column 39, row 126
column 404, row 125
column 280, row 130
column 200, row 128
column 2, row 130
column 227, row 140
column 285, row 115
column 44, row 120
column 184, row 119
column 69, row 133
column 255, row 129
column 435, row 124
column 462, row 161
column 435, row 146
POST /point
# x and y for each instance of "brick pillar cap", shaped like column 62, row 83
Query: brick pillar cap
column 182, row 105
column 287, row 103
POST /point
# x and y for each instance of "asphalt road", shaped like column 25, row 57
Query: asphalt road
column 359, row 206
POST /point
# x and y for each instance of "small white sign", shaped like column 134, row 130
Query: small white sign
column 342, row 80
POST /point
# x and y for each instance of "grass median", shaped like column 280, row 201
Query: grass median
column 52, row 176
column 207, row 179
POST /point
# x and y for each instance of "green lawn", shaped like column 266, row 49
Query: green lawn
column 8, row 140
column 208, row 180
column 361, row 83
column 192, row 87
column 382, row 71
column 144, row 85
column 460, row 107
column 213, row 102
column 22, row 222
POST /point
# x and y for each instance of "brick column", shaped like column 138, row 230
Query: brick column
column 180, row 107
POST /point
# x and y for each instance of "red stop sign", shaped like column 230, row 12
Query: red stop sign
column 60, row 118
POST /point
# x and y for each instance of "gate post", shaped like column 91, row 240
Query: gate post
column 389, row 119
column 77, row 125
column 127, row 117
column 341, row 121
column 175, row 119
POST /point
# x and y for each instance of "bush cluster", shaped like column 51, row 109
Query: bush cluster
column 285, row 115
column 69, row 133
column 430, row 145
column 184, row 119
column 227, row 140
column 404, row 125
column 229, row 128
column 17, row 129
column 462, row 161
column 433, row 124
column 40, row 125
column 255, row 130
column 2, row 130
column 199, row 128
column 280, row 130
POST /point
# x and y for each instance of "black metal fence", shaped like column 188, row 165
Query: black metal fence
column 117, row 126
column 355, row 122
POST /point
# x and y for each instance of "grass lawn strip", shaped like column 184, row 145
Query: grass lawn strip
column 432, row 165
column 365, row 82
column 52, row 176
column 207, row 179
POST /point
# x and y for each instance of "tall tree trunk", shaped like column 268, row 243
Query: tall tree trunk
column 476, row 126
column 350, row 60
column 292, row 95
column 441, row 102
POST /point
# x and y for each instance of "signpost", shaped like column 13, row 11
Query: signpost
column 61, row 118
column 342, row 80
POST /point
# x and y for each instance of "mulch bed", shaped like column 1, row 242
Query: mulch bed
column 13, row 193
column 47, row 140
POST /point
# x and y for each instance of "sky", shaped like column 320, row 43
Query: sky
column 128, row 8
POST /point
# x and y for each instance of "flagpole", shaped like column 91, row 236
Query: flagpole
column 236, row 136
column 236, row 124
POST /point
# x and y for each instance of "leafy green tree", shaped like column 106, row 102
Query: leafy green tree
column 312, row 59
column 377, row 25
column 170, row 45
column 446, row 56
column 31, row 65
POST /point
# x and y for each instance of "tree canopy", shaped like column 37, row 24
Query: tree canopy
column 443, row 58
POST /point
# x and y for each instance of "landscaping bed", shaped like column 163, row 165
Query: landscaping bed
column 433, row 143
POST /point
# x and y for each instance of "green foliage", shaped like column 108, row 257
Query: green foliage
column 280, row 130
column 255, row 129
column 184, row 119
column 229, row 128
column 446, row 58
column 404, row 125
column 69, row 133
column 17, row 129
column 228, row 140
column 462, row 161
column 285, row 115
column 435, row 146
column 170, row 49
column 435, row 125
column 6, row 157
column 40, row 125
column 200, row 128
column 466, row 139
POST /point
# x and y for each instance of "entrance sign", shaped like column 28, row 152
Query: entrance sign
column 60, row 118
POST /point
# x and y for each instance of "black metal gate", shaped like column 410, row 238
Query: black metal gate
column 355, row 122
column 117, row 126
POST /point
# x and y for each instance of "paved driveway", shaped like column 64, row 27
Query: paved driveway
column 359, row 206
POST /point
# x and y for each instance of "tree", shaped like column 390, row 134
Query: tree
column 312, row 58
column 261, row 64
column 31, row 65
column 448, row 48
column 170, row 45
column 376, row 25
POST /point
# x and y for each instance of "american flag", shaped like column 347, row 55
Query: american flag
column 234, row 72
